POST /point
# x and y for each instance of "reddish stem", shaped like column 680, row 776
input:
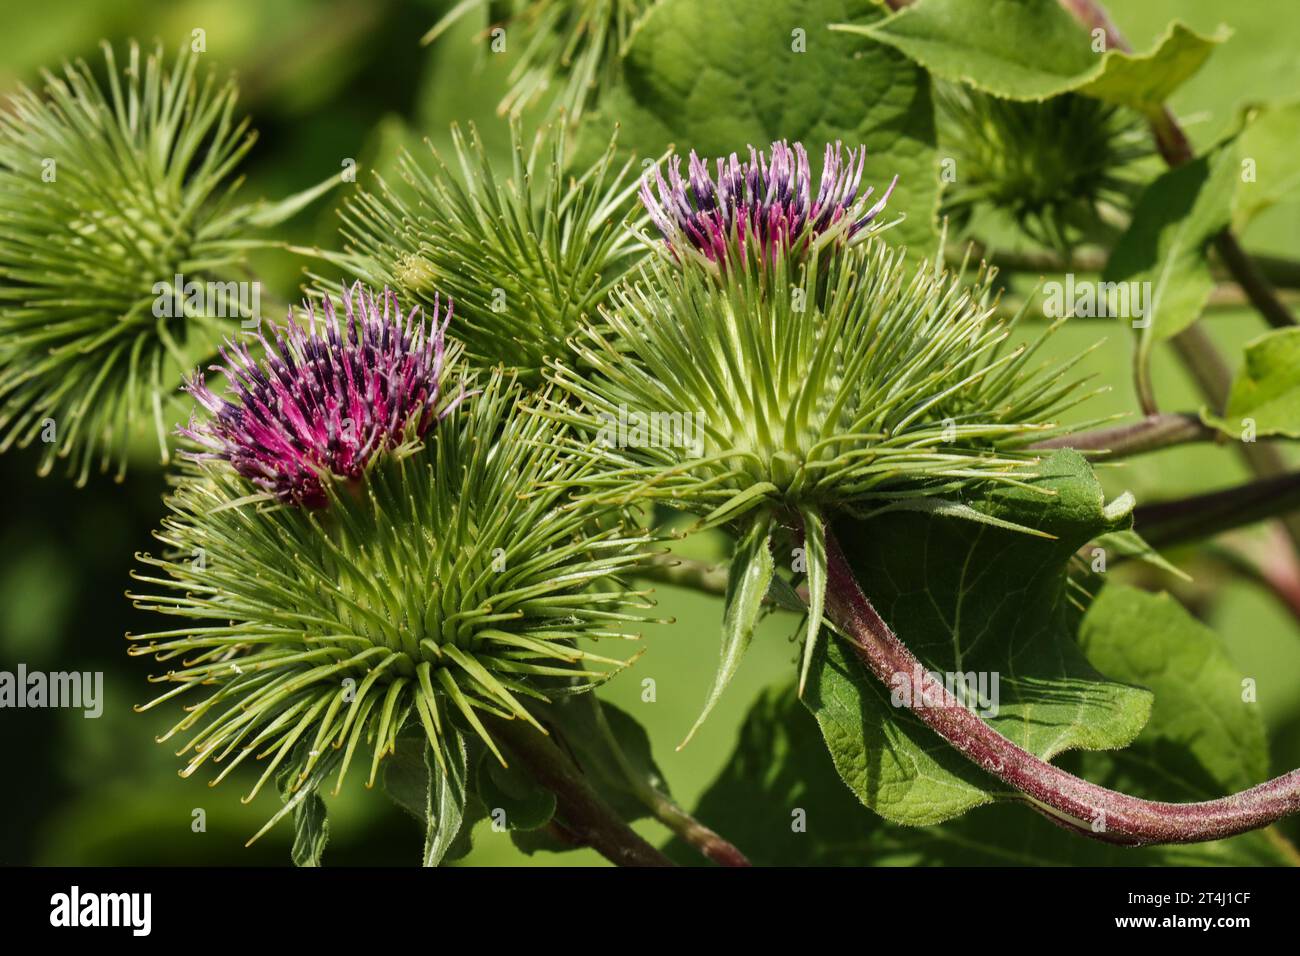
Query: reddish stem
column 1065, row 799
column 1151, row 433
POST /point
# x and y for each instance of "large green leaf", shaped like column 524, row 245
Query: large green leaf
column 1267, row 388
column 1033, row 50
column 970, row 598
column 1202, row 742
column 689, row 59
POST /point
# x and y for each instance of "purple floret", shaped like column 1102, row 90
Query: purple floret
column 761, row 206
column 327, row 398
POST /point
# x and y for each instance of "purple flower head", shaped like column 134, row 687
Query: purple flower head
column 763, row 206
column 327, row 398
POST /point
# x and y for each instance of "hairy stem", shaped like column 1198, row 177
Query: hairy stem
column 582, row 814
column 1152, row 433
column 1067, row 800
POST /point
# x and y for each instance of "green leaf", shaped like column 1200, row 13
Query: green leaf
column 1130, row 544
column 433, row 792
column 310, row 823
column 688, row 57
column 311, row 831
column 1266, row 389
column 1152, row 640
column 1034, row 49
column 406, row 779
column 784, row 595
column 747, row 583
column 1202, row 742
column 445, row 803
column 982, row 601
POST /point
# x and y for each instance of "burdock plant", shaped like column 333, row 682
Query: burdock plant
column 411, row 521
column 362, row 546
column 108, row 191
column 828, row 375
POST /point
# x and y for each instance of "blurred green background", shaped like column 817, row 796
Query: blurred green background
column 329, row 80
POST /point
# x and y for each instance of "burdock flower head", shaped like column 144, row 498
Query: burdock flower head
column 329, row 397
column 1062, row 170
column 445, row 585
column 764, row 207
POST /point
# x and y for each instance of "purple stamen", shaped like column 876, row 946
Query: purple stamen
column 763, row 205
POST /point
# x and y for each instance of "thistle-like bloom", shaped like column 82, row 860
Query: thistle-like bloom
column 764, row 207
column 108, row 193
column 326, row 399
column 1056, row 168
column 450, row 587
